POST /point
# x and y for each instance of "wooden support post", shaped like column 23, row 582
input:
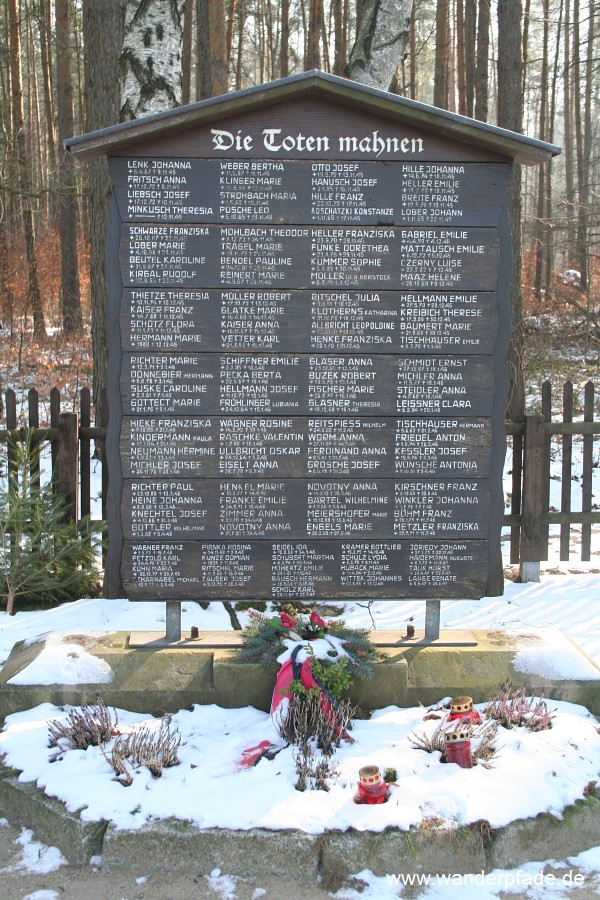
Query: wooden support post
column 54, row 418
column 101, row 453
column 567, row 464
column 84, row 452
column 68, row 462
column 173, row 620
column 11, row 450
column 534, row 542
column 34, row 445
column 515, row 498
column 586, row 480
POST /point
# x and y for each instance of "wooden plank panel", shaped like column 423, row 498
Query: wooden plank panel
column 320, row 384
column 310, row 570
column 300, row 447
column 515, row 497
column 265, row 190
column 320, row 320
column 291, row 256
column 209, row 509
column 33, row 404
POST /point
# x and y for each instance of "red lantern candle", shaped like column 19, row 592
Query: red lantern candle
column 371, row 786
column 458, row 746
column 462, row 708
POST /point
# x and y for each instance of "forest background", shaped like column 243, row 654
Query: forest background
column 71, row 66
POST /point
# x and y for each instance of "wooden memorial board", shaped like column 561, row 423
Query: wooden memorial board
column 308, row 324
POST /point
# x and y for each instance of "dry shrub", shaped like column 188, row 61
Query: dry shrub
column 89, row 726
column 156, row 749
column 314, row 732
column 482, row 739
column 512, row 708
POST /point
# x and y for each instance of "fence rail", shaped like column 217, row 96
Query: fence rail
column 533, row 443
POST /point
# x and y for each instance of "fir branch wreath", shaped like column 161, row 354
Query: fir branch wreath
column 332, row 643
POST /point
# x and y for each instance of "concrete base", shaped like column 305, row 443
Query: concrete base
column 157, row 679
column 175, row 847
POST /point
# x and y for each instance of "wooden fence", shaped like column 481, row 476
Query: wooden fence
column 533, row 442
column 70, row 435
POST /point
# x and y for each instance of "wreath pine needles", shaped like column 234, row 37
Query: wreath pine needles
column 264, row 640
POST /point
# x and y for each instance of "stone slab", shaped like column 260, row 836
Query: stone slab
column 155, row 680
column 22, row 803
column 208, row 640
column 176, row 847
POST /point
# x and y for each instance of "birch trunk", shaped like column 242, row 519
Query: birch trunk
column 151, row 57
column 380, row 42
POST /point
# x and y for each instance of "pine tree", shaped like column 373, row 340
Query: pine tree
column 43, row 557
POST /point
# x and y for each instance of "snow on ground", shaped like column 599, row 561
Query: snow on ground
column 531, row 773
column 566, row 600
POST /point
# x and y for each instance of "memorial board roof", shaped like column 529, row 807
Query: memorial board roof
column 339, row 91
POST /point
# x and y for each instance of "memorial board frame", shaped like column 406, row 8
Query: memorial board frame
column 268, row 224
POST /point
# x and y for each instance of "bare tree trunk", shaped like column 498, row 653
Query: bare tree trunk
column 525, row 42
column 470, row 58
column 481, row 69
column 72, row 322
column 211, row 50
column 568, row 131
column 7, row 300
column 583, row 126
column 151, row 57
column 284, row 44
column 381, row 42
column 47, row 82
column 203, row 66
column 451, row 58
column 543, row 174
column 461, row 74
column 35, row 152
column 414, row 93
column 442, row 51
column 103, row 26
column 326, row 61
column 230, row 30
column 510, row 115
column 315, row 27
column 585, row 212
column 218, row 47
column 549, row 243
column 240, row 47
column 268, row 31
column 34, row 297
column 186, row 53
column 339, row 56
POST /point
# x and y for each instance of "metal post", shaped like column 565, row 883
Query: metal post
column 432, row 619
column 173, row 620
